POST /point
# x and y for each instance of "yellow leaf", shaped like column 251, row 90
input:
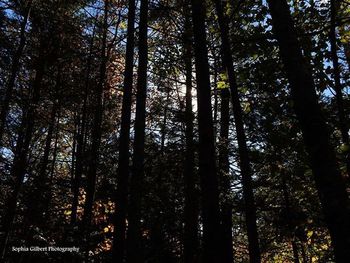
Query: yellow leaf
column 324, row 246
column 222, row 85
column 67, row 212
column 310, row 233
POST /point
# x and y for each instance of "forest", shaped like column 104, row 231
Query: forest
column 174, row 131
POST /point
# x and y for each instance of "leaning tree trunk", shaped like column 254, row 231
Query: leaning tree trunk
column 135, row 250
column 14, row 71
column 207, row 165
column 191, row 208
column 329, row 182
column 248, row 194
column 121, row 199
column 343, row 120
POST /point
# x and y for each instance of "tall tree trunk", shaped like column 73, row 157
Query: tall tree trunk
column 207, row 166
column 343, row 120
column 123, row 174
column 14, row 71
column 20, row 160
column 78, row 171
column 74, row 148
column 287, row 205
column 79, row 163
column 224, row 171
column 329, row 182
column 52, row 169
column 248, row 194
column 135, row 250
column 163, row 129
column 37, row 204
column 191, row 210
column 96, row 132
column 215, row 106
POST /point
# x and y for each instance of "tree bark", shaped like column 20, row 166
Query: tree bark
column 207, row 165
column 135, row 250
column 246, row 173
column 329, row 182
column 123, row 174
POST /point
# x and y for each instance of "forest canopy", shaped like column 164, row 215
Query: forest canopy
column 174, row 131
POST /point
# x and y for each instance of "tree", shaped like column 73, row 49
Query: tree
column 135, row 250
column 14, row 69
column 329, row 182
column 254, row 251
column 22, row 147
column 191, row 199
column 194, row 187
column 123, row 166
column 96, row 129
column 337, row 83
column 207, row 164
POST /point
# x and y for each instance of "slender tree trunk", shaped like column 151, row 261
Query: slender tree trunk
column 287, row 204
column 215, row 106
column 52, row 170
column 78, row 168
column 207, row 166
column 303, row 253
column 248, row 194
column 81, row 142
column 295, row 252
column 224, row 171
column 74, row 148
column 123, row 175
column 37, row 204
column 14, row 71
column 191, row 210
column 329, row 182
column 19, row 165
column 346, row 47
column 135, row 250
column 96, row 133
column 164, row 124
column 343, row 120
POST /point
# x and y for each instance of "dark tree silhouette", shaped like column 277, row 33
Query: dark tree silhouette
column 207, row 165
column 329, row 182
